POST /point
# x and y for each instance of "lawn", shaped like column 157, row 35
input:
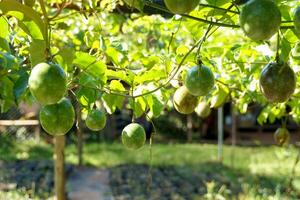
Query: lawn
column 247, row 172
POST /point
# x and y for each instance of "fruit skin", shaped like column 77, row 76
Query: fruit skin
column 199, row 80
column 277, row 82
column 47, row 83
column 181, row 6
column 282, row 136
column 57, row 119
column 203, row 110
column 183, row 101
column 260, row 19
column 96, row 120
column 297, row 19
column 133, row 136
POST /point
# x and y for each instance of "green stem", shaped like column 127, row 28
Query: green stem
column 46, row 21
column 153, row 5
column 156, row 6
column 218, row 8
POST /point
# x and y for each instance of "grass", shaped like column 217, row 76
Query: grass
column 265, row 160
column 271, row 162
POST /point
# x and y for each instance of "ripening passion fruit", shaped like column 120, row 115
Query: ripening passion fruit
column 199, row 80
column 282, row 136
column 57, row 119
column 133, row 136
column 183, row 101
column 181, row 6
column 277, row 82
column 47, row 83
column 260, row 19
column 203, row 110
column 96, row 120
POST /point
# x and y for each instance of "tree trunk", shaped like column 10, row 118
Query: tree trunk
column 59, row 167
column 79, row 134
column 189, row 119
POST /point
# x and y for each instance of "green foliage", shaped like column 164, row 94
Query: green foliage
column 129, row 60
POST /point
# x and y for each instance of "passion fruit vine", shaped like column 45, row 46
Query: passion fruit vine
column 277, row 82
column 181, row 6
column 133, row 136
column 47, row 83
column 260, row 19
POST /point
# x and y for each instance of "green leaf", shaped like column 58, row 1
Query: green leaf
column 4, row 46
column 7, row 98
column 4, row 33
column 285, row 50
column 29, row 18
column 65, row 59
column 111, row 101
column 138, row 4
column 21, row 85
column 220, row 97
column 263, row 116
column 37, row 51
column 121, row 75
column 138, row 106
column 92, row 66
column 151, row 75
column 155, row 104
column 86, row 96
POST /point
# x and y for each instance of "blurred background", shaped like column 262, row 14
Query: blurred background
column 187, row 158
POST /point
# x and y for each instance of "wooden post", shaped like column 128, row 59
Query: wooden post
column 37, row 133
column 220, row 134
column 59, row 167
column 233, row 134
column 189, row 119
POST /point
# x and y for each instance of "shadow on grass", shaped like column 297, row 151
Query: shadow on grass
column 11, row 150
column 193, row 183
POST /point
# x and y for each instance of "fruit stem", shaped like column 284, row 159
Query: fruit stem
column 47, row 28
column 278, row 48
column 284, row 121
column 133, row 101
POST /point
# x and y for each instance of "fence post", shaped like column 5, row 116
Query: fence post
column 220, row 134
column 59, row 167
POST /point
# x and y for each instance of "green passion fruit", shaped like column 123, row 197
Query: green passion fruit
column 133, row 136
column 47, row 83
column 181, row 6
column 297, row 19
column 57, row 119
column 96, row 120
column 277, row 82
column 199, row 80
column 203, row 110
column 260, row 19
column 282, row 136
column 183, row 101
